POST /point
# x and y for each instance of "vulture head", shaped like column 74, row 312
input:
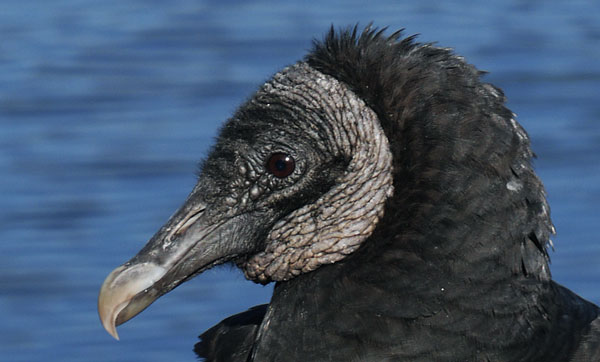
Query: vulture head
column 298, row 178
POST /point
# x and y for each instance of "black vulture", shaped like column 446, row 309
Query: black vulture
column 389, row 194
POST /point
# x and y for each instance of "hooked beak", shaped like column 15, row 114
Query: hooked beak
column 185, row 246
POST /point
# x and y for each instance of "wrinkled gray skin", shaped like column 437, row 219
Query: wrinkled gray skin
column 274, row 228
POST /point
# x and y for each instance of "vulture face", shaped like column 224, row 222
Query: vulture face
column 298, row 178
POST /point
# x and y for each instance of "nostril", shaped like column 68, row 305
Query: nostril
column 186, row 222
column 189, row 220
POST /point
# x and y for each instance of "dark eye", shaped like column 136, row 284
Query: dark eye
column 281, row 164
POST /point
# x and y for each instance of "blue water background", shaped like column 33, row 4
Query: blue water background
column 106, row 107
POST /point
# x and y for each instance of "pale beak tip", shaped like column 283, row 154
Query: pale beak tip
column 115, row 301
column 112, row 330
column 109, row 304
column 108, row 320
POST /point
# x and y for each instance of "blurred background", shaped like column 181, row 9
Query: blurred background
column 106, row 107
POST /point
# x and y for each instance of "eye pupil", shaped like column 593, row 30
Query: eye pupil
column 281, row 164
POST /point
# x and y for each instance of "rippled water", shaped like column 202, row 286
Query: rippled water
column 106, row 108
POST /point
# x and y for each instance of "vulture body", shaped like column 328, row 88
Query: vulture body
column 390, row 195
